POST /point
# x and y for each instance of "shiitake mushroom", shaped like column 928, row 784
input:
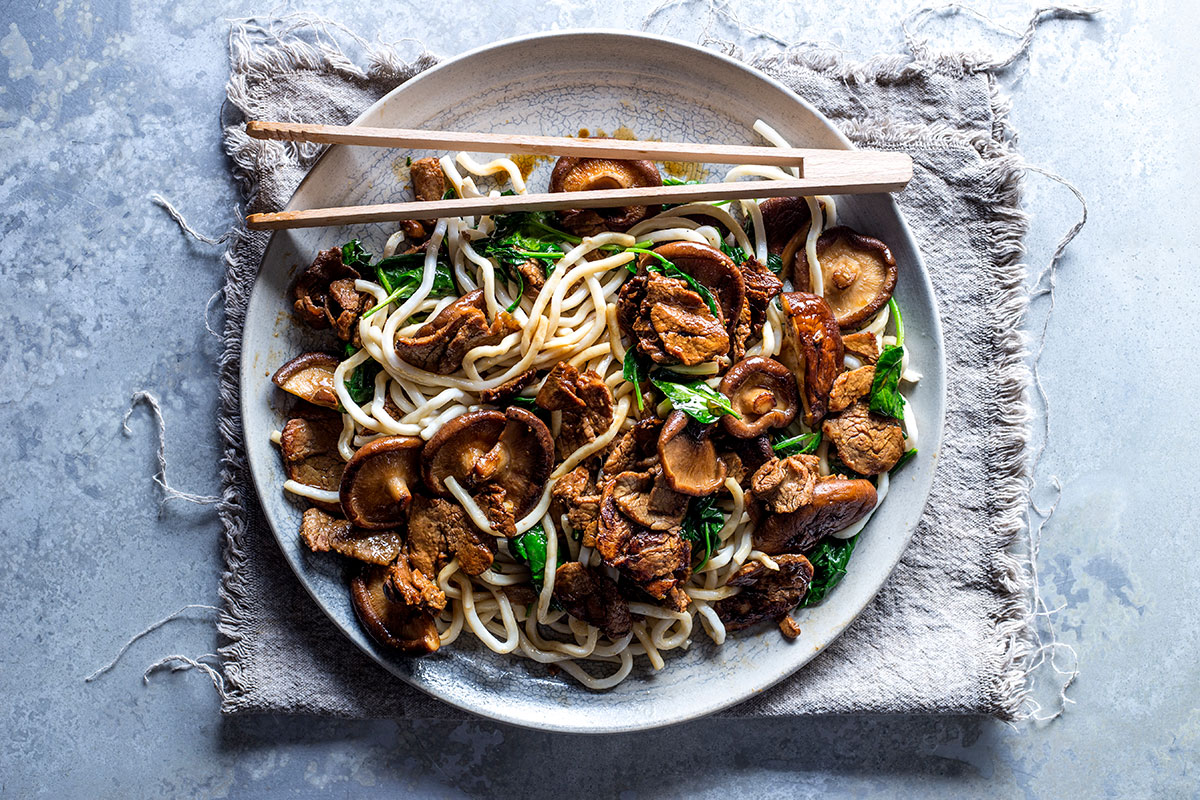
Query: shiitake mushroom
column 573, row 174
column 310, row 377
column 859, row 274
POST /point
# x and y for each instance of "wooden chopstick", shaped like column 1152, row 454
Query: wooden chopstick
column 873, row 181
column 530, row 145
column 823, row 171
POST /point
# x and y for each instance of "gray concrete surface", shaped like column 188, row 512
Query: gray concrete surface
column 103, row 102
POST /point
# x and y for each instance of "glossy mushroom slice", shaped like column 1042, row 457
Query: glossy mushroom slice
column 813, row 350
column 766, row 594
column 512, row 449
column 392, row 624
column 377, row 482
column 784, row 218
column 859, row 274
column 688, row 456
column 866, row 442
column 763, row 393
column 837, row 503
column 309, row 377
column 585, row 174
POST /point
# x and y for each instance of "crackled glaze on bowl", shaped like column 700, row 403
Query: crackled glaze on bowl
column 557, row 84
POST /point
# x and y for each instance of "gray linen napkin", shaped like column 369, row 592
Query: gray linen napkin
column 949, row 633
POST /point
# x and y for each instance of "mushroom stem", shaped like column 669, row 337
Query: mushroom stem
column 397, row 488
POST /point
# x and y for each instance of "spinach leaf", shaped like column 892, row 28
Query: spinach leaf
column 829, row 560
column 635, row 370
column 668, row 181
column 523, row 236
column 450, row 194
column 530, row 548
column 361, row 383
column 899, row 321
column 355, row 257
column 775, row 263
column 904, row 459
column 736, row 253
column 401, row 275
column 697, row 398
column 885, row 388
column 798, row 445
column 702, row 526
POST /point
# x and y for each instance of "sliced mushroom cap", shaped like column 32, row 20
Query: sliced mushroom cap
column 390, row 623
column 377, row 482
column 813, row 350
column 783, row 218
column 763, row 393
column 837, row 503
column 688, row 457
column 512, row 448
column 585, row 174
column 713, row 270
column 859, row 274
column 309, row 377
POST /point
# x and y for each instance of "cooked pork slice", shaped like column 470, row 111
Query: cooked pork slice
column 428, row 180
column 766, row 593
column 412, row 587
column 591, row 596
column 438, row 530
column 784, row 485
column 585, row 402
column 862, row 345
column 866, row 442
column 509, row 389
column 577, row 496
column 325, row 533
column 440, row 344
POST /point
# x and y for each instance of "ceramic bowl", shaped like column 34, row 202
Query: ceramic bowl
column 557, row 84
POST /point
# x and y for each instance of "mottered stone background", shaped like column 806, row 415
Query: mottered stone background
column 104, row 102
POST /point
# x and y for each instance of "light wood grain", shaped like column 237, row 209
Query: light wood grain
column 538, row 145
column 847, row 182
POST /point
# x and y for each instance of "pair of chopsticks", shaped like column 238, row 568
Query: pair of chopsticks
column 822, row 171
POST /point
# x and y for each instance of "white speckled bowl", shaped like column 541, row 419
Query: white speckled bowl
column 556, row 84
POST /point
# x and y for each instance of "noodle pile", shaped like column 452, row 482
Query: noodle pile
column 572, row 319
